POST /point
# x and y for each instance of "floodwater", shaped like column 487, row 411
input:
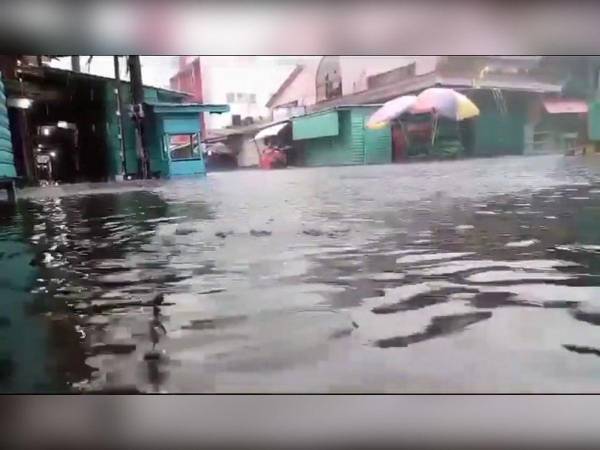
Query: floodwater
column 467, row 276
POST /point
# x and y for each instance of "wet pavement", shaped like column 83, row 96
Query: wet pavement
column 466, row 276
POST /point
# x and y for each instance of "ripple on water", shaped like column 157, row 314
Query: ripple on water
column 464, row 227
column 439, row 326
column 425, row 258
column 387, row 276
column 496, row 276
column 579, row 248
column 588, row 312
column 291, row 308
column 521, row 244
column 455, row 267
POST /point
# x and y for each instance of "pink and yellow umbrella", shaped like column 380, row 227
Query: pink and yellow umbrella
column 445, row 102
column 391, row 110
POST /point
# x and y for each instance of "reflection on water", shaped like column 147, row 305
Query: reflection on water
column 439, row 326
column 479, row 275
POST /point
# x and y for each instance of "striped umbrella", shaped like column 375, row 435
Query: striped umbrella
column 445, row 102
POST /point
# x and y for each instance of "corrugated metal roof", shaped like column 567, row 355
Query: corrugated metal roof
column 40, row 71
column 341, row 107
column 418, row 83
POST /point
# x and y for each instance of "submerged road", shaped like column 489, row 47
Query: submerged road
column 467, row 276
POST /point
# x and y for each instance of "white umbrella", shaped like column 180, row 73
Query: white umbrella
column 390, row 111
column 270, row 131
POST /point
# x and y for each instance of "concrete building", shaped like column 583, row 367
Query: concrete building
column 245, row 83
column 510, row 91
column 324, row 78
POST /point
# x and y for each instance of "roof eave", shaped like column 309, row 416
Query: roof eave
column 286, row 83
column 164, row 107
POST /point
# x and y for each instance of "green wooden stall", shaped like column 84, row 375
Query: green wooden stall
column 7, row 162
column 151, row 94
column 500, row 127
column 174, row 136
column 339, row 136
column 594, row 120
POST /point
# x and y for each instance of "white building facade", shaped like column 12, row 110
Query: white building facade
column 245, row 83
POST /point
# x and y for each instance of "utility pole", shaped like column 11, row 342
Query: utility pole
column 137, row 94
column 120, row 114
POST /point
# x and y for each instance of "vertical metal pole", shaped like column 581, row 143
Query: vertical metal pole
column 121, row 115
column 75, row 65
column 25, row 145
column 137, row 91
column 11, row 192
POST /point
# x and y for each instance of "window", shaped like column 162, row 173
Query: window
column 329, row 78
column 240, row 97
column 184, row 146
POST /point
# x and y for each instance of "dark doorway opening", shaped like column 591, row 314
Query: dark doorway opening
column 68, row 119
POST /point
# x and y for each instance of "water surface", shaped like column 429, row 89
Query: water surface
column 467, row 276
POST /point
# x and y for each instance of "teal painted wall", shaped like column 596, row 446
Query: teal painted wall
column 159, row 163
column 113, row 153
column 354, row 144
column 162, row 125
column 192, row 167
column 377, row 143
column 112, row 125
column 594, row 121
column 316, row 126
column 496, row 134
column 331, row 150
column 7, row 162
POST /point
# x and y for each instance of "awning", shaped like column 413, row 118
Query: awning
column 318, row 125
column 270, row 131
column 565, row 106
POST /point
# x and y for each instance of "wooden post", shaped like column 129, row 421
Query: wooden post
column 75, row 65
column 405, row 136
column 257, row 151
column 26, row 152
column 137, row 94
column 11, row 190
column 121, row 115
column 434, row 130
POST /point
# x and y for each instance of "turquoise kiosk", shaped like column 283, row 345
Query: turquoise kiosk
column 174, row 137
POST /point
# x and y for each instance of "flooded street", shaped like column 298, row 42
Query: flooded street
column 468, row 276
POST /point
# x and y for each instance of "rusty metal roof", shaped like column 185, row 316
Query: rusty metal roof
column 45, row 71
